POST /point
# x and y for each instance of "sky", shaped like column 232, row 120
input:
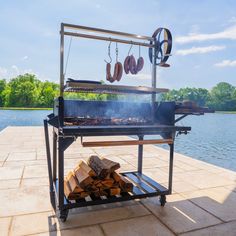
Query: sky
column 204, row 39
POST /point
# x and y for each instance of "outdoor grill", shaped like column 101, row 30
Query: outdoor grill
column 72, row 119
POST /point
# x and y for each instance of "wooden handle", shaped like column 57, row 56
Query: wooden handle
column 126, row 142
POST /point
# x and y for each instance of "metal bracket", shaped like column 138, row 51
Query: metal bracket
column 66, row 142
column 181, row 117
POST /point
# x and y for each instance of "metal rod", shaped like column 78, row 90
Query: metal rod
column 48, row 156
column 62, row 61
column 108, row 39
column 171, row 167
column 140, row 155
column 54, row 156
column 111, row 32
column 61, row 173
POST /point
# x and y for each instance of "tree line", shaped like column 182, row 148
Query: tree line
column 221, row 97
column 28, row 91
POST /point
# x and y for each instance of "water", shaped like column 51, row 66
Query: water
column 22, row 117
column 212, row 138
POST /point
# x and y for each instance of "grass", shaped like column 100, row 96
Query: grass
column 25, row 108
column 226, row 112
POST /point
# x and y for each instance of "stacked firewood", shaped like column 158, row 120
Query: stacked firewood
column 97, row 177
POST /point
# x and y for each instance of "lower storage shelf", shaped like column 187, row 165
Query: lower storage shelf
column 144, row 187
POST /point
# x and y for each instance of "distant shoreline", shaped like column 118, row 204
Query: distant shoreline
column 43, row 108
column 226, row 112
column 25, row 108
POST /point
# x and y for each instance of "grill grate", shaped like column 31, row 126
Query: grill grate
column 110, row 89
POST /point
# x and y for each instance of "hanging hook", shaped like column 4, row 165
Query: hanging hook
column 109, row 53
column 130, row 48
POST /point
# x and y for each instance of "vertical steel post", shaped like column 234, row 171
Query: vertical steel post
column 61, row 172
column 154, row 78
column 54, row 156
column 171, row 166
column 62, row 60
column 140, row 155
column 48, row 153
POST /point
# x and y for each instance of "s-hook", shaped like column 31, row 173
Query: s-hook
column 109, row 54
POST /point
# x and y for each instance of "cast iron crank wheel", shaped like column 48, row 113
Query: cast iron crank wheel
column 163, row 200
column 64, row 215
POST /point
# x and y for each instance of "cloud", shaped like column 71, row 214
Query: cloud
column 232, row 19
column 14, row 71
column 229, row 33
column 199, row 50
column 226, row 63
column 24, row 58
column 3, row 72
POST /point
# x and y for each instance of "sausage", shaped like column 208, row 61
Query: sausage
column 116, row 72
column 108, row 71
column 132, row 65
column 140, row 64
column 120, row 71
column 126, row 64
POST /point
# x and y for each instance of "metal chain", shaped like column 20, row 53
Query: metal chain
column 116, row 52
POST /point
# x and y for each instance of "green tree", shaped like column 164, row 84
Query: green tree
column 3, row 85
column 223, row 97
column 198, row 95
column 48, row 91
column 23, row 91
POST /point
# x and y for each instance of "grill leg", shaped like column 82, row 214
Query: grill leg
column 61, row 173
column 140, row 156
column 54, row 155
column 48, row 153
column 171, row 166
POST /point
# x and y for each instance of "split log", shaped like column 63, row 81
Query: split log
column 114, row 191
column 73, row 183
column 67, row 189
column 98, row 166
column 125, row 184
column 107, row 183
column 111, row 165
column 115, row 176
column 86, row 168
column 84, row 194
column 102, row 167
column 84, row 179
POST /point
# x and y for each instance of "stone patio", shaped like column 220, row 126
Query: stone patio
column 203, row 200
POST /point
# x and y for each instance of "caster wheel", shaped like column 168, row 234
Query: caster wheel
column 163, row 200
column 63, row 215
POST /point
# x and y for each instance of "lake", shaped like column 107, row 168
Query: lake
column 212, row 138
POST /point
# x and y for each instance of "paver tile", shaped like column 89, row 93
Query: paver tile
column 85, row 231
column 228, row 229
column 9, row 183
column 34, row 182
column 36, row 171
column 24, row 201
column 33, row 223
column 180, row 214
column 21, row 156
column 219, row 201
column 5, row 226
column 85, row 217
column 147, row 225
column 7, row 173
